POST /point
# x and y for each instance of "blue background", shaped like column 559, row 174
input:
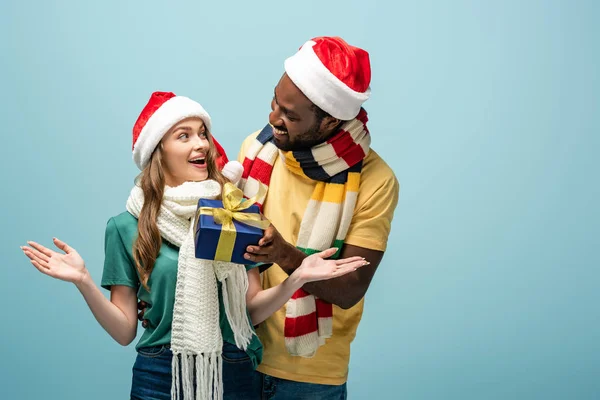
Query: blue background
column 486, row 111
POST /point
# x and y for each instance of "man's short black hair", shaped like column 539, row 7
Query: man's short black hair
column 319, row 113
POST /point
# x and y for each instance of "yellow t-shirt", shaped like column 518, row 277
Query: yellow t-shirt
column 284, row 206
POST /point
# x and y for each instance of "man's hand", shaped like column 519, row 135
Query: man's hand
column 272, row 248
column 142, row 309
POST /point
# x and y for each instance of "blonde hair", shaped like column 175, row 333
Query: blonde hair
column 152, row 181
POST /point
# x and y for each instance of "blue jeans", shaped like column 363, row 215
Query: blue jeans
column 282, row 389
column 152, row 374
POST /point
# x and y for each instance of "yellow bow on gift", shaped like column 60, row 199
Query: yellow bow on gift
column 233, row 205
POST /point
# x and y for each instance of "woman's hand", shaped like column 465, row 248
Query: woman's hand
column 316, row 268
column 116, row 316
column 262, row 303
column 68, row 267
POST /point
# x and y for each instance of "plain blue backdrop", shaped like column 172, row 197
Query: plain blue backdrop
column 486, row 111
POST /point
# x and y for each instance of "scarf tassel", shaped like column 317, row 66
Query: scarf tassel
column 235, row 287
column 197, row 376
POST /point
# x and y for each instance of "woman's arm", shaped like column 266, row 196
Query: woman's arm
column 118, row 316
column 262, row 303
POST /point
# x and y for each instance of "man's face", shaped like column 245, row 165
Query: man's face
column 295, row 123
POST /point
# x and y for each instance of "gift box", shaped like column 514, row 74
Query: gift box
column 224, row 228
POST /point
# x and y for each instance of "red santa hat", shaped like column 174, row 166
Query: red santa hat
column 165, row 109
column 332, row 74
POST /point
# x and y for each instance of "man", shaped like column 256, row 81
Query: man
column 325, row 188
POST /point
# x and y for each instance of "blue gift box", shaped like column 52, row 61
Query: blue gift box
column 208, row 233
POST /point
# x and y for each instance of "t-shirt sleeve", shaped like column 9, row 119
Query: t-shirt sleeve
column 372, row 219
column 118, row 266
column 251, row 266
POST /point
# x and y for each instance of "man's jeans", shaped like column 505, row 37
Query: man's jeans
column 282, row 389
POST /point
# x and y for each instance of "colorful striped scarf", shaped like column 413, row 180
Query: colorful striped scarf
column 335, row 165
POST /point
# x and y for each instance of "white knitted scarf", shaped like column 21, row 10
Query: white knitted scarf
column 196, row 339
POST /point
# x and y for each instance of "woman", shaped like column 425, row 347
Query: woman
column 196, row 308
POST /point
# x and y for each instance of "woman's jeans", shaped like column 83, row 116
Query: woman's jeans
column 152, row 374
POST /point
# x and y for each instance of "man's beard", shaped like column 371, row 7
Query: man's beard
column 304, row 141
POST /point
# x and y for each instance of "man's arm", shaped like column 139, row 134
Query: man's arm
column 344, row 292
column 349, row 289
column 370, row 227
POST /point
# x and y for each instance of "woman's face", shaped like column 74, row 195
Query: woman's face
column 184, row 150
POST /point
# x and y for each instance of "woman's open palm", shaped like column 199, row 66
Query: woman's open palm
column 317, row 267
column 68, row 267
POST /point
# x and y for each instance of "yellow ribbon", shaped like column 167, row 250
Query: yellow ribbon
column 233, row 205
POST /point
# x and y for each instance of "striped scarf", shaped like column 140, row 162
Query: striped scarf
column 335, row 165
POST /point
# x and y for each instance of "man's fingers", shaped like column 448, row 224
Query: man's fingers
column 256, row 258
column 258, row 254
column 267, row 237
column 258, row 250
column 141, row 305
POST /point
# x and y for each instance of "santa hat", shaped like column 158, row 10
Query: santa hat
column 332, row 74
column 165, row 109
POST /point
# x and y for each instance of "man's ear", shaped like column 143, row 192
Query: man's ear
column 329, row 124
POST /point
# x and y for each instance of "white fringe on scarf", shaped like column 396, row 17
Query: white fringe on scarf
column 196, row 339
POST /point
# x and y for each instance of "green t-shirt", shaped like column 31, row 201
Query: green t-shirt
column 119, row 269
